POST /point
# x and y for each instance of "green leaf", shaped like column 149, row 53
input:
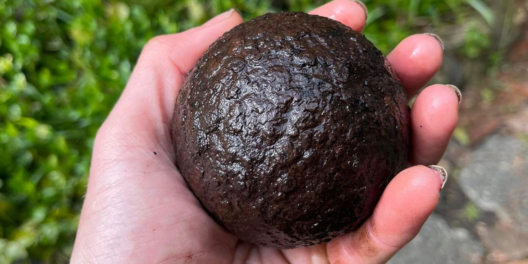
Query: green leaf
column 374, row 15
column 484, row 10
column 64, row 63
column 461, row 136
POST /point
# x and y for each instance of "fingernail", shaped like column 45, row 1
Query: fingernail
column 364, row 8
column 220, row 17
column 437, row 39
column 457, row 91
column 442, row 172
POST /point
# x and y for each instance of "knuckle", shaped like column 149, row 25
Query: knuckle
column 156, row 47
column 156, row 42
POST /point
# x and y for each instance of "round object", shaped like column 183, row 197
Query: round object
column 289, row 128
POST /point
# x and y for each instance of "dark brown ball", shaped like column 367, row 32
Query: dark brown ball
column 289, row 128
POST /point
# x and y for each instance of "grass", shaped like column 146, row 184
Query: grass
column 64, row 63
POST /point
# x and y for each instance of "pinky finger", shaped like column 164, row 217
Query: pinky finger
column 402, row 210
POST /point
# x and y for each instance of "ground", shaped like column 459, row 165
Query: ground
column 483, row 213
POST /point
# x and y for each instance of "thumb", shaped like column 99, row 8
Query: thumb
column 123, row 153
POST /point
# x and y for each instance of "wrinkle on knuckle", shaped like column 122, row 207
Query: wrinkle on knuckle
column 157, row 50
column 157, row 43
column 377, row 243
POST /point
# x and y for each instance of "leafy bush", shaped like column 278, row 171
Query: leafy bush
column 63, row 64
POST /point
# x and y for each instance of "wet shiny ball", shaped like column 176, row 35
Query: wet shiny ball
column 289, row 128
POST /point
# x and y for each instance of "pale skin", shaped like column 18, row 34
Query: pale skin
column 138, row 208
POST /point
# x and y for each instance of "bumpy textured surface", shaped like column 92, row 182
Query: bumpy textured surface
column 289, row 128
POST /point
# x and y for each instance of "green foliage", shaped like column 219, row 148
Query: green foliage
column 471, row 212
column 63, row 64
column 461, row 136
column 476, row 40
column 390, row 21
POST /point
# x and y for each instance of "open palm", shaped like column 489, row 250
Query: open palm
column 138, row 208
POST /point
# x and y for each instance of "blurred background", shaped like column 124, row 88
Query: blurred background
column 64, row 63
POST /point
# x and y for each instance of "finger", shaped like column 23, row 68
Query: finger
column 186, row 48
column 434, row 116
column 350, row 13
column 416, row 60
column 170, row 57
column 313, row 254
column 402, row 210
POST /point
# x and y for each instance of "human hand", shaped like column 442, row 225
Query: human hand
column 138, row 208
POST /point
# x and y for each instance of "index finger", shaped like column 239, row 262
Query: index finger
column 350, row 13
